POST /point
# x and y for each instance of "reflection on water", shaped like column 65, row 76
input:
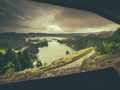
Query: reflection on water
column 54, row 51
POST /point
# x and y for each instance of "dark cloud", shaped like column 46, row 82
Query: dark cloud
column 80, row 19
column 12, row 12
column 32, row 17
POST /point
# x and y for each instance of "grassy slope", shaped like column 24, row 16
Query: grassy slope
column 102, row 61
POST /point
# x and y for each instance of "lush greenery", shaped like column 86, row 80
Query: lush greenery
column 23, row 55
column 15, row 61
column 13, row 40
column 79, row 42
column 108, row 54
column 109, row 45
column 104, row 45
column 33, row 73
column 107, row 49
column 20, row 55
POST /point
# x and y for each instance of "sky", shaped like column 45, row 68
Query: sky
column 23, row 16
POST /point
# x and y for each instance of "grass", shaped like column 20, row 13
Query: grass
column 91, row 64
column 21, row 50
column 3, row 51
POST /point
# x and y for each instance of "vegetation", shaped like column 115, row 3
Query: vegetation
column 108, row 54
column 25, row 59
column 67, row 52
column 104, row 45
column 16, row 53
column 33, row 48
column 33, row 73
column 13, row 40
column 66, row 60
column 79, row 42
column 107, row 49
column 15, row 61
column 109, row 45
column 27, row 74
column 90, row 64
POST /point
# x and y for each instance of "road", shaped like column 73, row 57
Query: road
column 77, row 63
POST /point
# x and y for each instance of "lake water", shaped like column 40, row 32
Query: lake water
column 54, row 51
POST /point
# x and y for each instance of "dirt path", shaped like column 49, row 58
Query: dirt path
column 78, row 62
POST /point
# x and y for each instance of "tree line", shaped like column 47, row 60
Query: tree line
column 103, row 45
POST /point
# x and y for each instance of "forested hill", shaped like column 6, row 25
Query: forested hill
column 109, row 45
column 23, row 35
column 104, row 44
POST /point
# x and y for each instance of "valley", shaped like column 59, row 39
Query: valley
column 35, row 56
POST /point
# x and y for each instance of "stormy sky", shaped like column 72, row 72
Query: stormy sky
column 23, row 16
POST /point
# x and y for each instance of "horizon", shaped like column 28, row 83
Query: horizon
column 57, row 33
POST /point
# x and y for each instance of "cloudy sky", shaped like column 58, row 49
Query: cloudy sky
column 24, row 16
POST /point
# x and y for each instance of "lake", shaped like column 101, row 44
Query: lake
column 54, row 51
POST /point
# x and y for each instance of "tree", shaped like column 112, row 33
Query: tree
column 20, row 57
column 2, row 70
column 26, row 60
column 11, row 56
column 105, row 47
column 39, row 63
column 116, row 36
column 67, row 52
column 1, row 60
